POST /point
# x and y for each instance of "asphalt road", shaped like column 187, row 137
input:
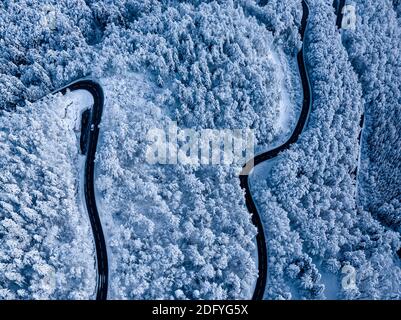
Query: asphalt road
column 101, row 253
column 265, row 156
column 96, row 90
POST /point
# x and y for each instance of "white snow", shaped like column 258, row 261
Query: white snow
column 262, row 170
column 331, row 281
column 288, row 103
column 284, row 115
column 72, row 106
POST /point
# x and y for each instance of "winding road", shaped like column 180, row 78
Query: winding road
column 268, row 155
column 96, row 91
column 101, row 252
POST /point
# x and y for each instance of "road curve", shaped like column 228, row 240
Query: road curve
column 101, row 252
column 265, row 156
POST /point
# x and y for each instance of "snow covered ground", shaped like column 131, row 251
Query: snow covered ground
column 75, row 102
column 290, row 98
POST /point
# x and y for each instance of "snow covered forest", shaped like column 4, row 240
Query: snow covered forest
column 174, row 231
column 46, row 245
column 375, row 52
column 314, row 223
column 183, row 231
